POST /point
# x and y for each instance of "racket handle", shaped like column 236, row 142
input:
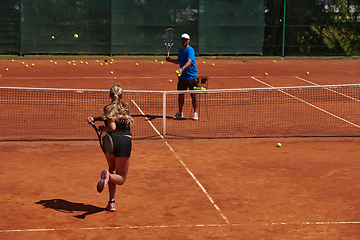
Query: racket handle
column 93, row 125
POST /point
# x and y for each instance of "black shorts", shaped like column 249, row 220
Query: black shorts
column 186, row 84
column 122, row 145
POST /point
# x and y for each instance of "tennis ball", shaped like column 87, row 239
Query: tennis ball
column 111, row 72
column 81, row 62
column 74, row 64
column 279, row 145
column 162, row 62
column 177, row 71
column 274, row 61
column 213, row 64
column 50, row 61
column 155, row 60
column 100, row 64
column 112, row 60
column 203, row 62
column 86, row 63
column 266, row 74
column 6, row 69
column 76, row 36
column 53, row 37
column 22, row 63
column 55, row 63
column 26, row 65
column 32, row 64
column 69, row 63
column 307, row 73
column 179, row 74
column 13, row 60
column 106, row 64
column 136, row 64
column 170, row 81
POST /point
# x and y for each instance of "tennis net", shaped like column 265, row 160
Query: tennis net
column 60, row 114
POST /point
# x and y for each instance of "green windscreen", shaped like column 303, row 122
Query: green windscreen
column 130, row 26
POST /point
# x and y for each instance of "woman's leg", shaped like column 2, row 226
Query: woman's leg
column 118, row 168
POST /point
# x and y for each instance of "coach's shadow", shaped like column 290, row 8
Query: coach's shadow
column 70, row 207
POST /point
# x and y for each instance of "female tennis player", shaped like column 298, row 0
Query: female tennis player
column 117, row 123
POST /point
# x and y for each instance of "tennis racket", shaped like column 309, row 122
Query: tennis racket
column 106, row 143
column 169, row 39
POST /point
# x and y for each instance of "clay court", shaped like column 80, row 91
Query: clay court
column 180, row 188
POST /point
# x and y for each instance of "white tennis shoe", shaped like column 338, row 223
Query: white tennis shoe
column 195, row 116
column 105, row 176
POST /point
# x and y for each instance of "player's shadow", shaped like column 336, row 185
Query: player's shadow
column 71, row 207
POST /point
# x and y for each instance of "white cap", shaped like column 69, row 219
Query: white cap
column 185, row 35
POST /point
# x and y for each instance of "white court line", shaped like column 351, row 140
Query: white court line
column 311, row 105
column 302, row 79
column 174, row 226
column 184, row 165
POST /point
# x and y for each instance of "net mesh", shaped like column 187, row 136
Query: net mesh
column 60, row 114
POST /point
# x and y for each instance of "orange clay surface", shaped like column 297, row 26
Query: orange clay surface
column 309, row 188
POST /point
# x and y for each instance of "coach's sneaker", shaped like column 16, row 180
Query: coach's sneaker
column 105, row 175
column 111, row 206
column 178, row 115
column 195, row 116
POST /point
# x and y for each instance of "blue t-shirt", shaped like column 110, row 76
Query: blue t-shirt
column 184, row 55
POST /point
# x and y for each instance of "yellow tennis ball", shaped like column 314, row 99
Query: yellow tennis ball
column 179, row 75
column 162, row 62
column 13, row 60
column 76, row 36
column 136, row 64
column 51, row 61
column 112, row 60
column 97, row 61
column 307, row 73
column 53, row 37
column 213, row 64
column 177, row 71
column 55, row 63
column 32, row 64
column 6, row 69
column 22, row 63
column 155, row 60
column 266, row 74
column 279, row 144
column 111, row 72
column 203, row 62
column 81, row 62
column 26, row 65
column 100, row 64
column 170, row 81
column 106, row 64
column 274, row 61
column 69, row 63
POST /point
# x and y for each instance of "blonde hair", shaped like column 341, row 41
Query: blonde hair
column 117, row 110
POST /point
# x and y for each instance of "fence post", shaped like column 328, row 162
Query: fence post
column 284, row 25
column 20, row 32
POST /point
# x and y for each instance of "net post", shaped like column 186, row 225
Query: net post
column 164, row 113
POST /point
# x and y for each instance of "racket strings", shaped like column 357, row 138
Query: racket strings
column 169, row 37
